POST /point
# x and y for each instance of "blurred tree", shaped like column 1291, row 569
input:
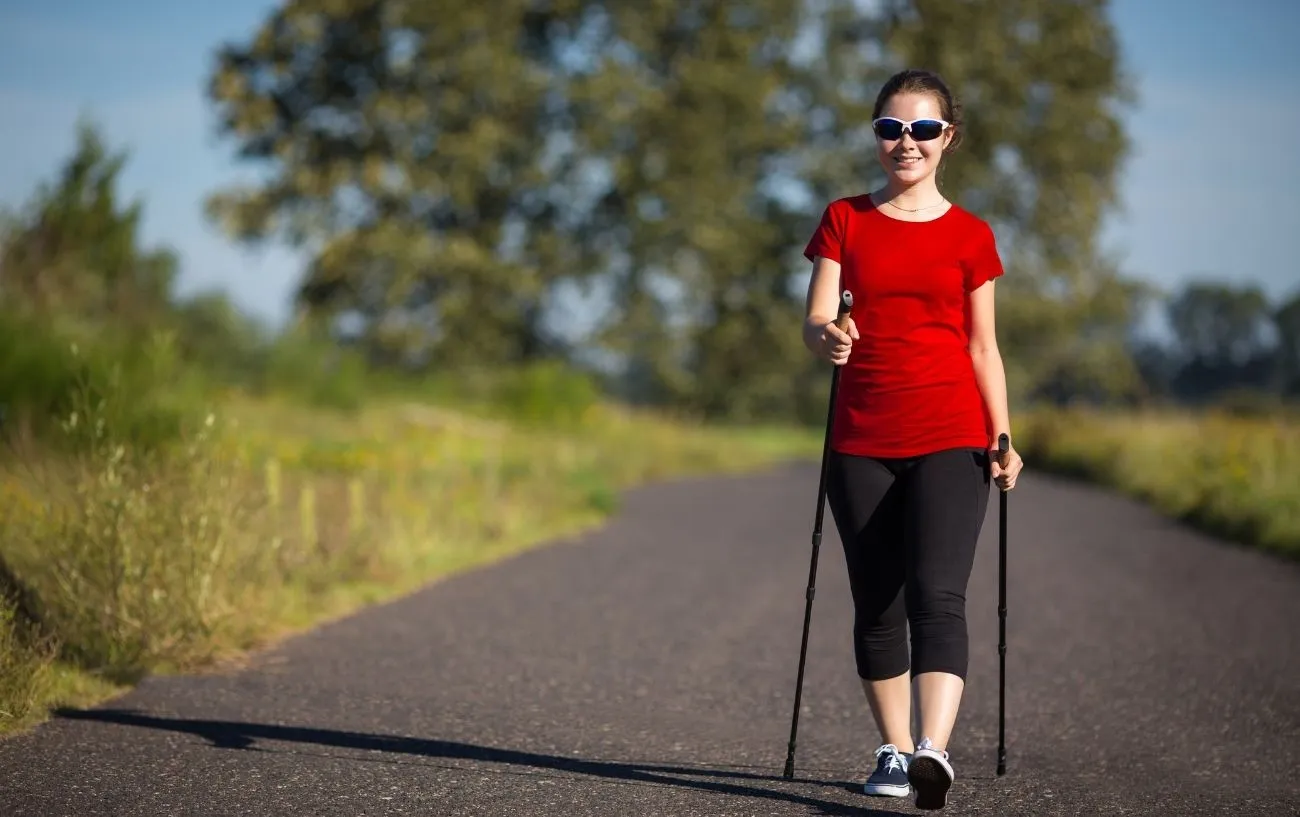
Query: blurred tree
column 1221, row 324
column 75, row 250
column 725, row 129
column 1286, row 320
column 1224, row 342
column 452, row 166
column 211, row 332
column 419, row 150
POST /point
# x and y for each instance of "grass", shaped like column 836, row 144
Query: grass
column 268, row 517
column 1235, row 477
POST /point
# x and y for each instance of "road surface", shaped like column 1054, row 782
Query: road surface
column 648, row 668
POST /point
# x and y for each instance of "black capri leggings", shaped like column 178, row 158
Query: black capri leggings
column 909, row 529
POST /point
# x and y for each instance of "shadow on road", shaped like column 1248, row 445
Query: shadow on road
column 236, row 735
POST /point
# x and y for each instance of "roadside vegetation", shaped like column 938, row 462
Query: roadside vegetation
column 148, row 527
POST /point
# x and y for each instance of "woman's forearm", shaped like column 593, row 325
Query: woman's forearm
column 991, row 376
column 813, row 327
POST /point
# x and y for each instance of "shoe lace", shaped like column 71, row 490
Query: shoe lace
column 893, row 762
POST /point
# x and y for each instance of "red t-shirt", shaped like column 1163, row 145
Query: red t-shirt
column 908, row 387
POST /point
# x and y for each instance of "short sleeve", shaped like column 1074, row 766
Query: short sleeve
column 984, row 263
column 828, row 239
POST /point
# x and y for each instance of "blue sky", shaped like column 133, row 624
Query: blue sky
column 1209, row 192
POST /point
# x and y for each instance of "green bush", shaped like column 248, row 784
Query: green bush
column 50, row 371
column 547, row 394
column 314, row 370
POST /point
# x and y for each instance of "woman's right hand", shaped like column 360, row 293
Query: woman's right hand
column 834, row 344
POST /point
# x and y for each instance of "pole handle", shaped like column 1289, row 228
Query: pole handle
column 846, row 307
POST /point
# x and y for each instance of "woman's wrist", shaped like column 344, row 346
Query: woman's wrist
column 812, row 331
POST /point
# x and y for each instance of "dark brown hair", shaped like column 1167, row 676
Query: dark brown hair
column 919, row 81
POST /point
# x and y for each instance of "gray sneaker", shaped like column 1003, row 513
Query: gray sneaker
column 890, row 777
column 930, row 775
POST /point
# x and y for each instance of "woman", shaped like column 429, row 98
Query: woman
column 922, row 400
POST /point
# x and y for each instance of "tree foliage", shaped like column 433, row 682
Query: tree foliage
column 458, row 171
column 74, row 249
column 412, row 146
column 1286, row 322
column 86, row 309
column 1227, row 340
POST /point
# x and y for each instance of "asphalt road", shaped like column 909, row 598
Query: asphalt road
column 648, row 669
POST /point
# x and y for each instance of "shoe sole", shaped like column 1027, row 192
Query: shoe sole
column 930, row 782
column 886, row 790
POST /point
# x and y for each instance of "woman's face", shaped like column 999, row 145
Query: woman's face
column 911, row 157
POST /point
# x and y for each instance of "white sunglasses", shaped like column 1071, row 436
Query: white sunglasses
column 922, row 130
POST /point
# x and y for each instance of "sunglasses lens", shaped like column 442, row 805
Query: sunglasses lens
column 889, row 129
column 926, row 129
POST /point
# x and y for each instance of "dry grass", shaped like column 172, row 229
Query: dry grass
column 270, row 517
column 1233, row 476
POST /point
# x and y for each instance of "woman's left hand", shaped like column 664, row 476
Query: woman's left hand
column 1006, row 468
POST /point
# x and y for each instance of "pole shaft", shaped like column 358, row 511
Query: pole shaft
column 812, row 576
column 1003, row 446
column 846, row 304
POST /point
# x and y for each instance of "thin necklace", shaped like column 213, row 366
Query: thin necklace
column 940, row 203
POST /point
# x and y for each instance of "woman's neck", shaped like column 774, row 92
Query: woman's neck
column 915, row 197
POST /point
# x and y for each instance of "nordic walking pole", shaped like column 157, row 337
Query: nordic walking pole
column 1004, row 445
column 841, row 322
